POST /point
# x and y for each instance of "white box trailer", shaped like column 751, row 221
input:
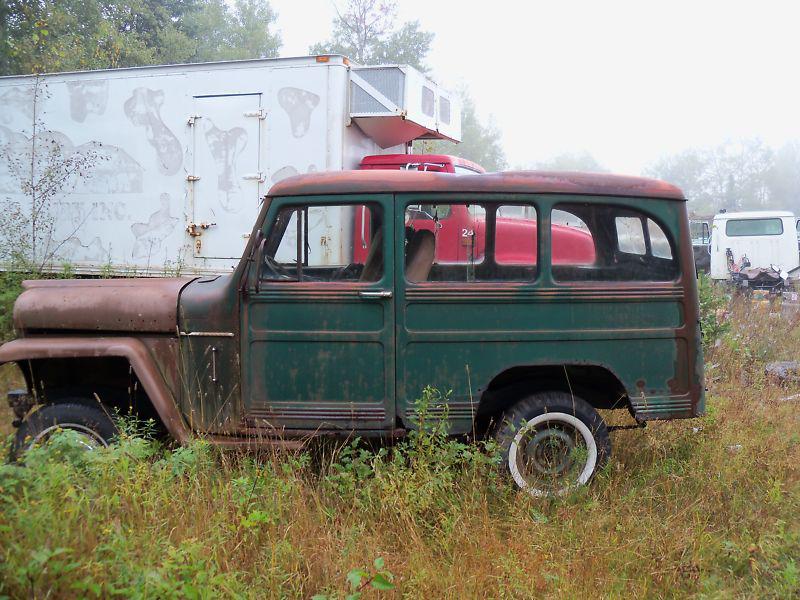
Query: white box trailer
column 185, row 153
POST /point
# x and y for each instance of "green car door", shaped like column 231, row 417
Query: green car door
column 318, row 326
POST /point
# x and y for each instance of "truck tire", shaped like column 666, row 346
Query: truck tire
column 94, row 425
column 552, row 442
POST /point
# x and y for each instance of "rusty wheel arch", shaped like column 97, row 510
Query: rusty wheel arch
column 595, row 383
column 21, row 351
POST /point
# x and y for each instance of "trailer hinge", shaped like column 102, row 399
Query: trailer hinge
column 193, row 178
column 259, row 177
column 196, row 229
column 261, row 113
column 192, row 118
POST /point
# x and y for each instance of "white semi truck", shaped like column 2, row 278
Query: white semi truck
column 177, row 158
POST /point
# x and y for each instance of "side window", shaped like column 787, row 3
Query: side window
column 592, row 242
column 318, row 243
column 448, row 242
column 630, row 235
column 658, row 240
column 515, row 235
column 444, row 242
column 572, row 242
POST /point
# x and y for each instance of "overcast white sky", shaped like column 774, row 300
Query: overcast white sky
column 626, row 80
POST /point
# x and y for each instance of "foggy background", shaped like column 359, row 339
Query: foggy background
column 703, row 94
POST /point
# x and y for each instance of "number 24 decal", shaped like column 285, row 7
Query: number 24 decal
column 467, row 232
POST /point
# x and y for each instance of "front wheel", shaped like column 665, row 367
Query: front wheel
column 94, row 426
column 553, row 442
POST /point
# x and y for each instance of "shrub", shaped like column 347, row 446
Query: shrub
column 713, row 304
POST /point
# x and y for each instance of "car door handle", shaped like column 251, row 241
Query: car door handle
column 375, row 295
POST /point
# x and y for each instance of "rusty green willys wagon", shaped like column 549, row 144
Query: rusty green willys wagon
column 586, row 300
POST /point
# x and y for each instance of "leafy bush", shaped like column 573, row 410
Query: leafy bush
column 10, row 288
column 713, row 304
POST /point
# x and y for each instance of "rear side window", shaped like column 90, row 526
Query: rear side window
column 630, row 235
column 659, row 242
column 461, row 242
column 591, row 242
column 742, row 227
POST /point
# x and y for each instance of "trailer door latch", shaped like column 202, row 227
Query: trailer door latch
column 196, row 229
column 259, row 177
column 259, row 114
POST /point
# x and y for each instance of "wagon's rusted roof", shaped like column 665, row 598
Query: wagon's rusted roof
column 531, row 182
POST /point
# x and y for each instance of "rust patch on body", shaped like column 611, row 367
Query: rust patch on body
column 136, row 305
column 523, row 182
column 132, row 349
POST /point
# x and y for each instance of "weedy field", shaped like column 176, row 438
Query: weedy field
column 698, row 508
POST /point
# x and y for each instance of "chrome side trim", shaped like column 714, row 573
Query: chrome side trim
column 206, row 333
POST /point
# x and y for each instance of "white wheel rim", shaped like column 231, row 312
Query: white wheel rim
column 532, row 425
column 87, row 437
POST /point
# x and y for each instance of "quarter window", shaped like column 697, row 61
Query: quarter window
column 659, row 242
column 591, row 242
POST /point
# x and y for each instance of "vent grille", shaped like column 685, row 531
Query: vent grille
column 389, row 81
column 362, row 103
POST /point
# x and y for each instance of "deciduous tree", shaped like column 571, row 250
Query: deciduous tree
column 367, row 32
column 60, row 35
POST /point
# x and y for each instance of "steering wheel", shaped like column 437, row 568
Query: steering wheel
column 419, row 211
column 279, row 270
column 346, row 272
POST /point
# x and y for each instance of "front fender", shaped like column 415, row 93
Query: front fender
column 132, row 349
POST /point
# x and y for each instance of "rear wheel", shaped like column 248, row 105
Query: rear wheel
column 93, row 426
column 553, row 442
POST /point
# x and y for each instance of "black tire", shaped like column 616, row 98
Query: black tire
column 559, row 425
column 90, row 420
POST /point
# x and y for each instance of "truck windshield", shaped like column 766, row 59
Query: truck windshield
column 741, row 227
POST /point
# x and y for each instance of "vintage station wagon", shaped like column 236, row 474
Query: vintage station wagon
column 596, row 308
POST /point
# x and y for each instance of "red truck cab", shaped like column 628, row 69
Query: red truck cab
column 440, row 163
column 460, row 229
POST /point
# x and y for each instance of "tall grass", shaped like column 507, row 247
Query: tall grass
column 706, row 508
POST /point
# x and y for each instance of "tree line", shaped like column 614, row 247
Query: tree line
column 71, row 35
column 39, row 36
column 735, row 175
column 743, row 174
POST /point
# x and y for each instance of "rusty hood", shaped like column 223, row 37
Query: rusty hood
column 108, row 305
